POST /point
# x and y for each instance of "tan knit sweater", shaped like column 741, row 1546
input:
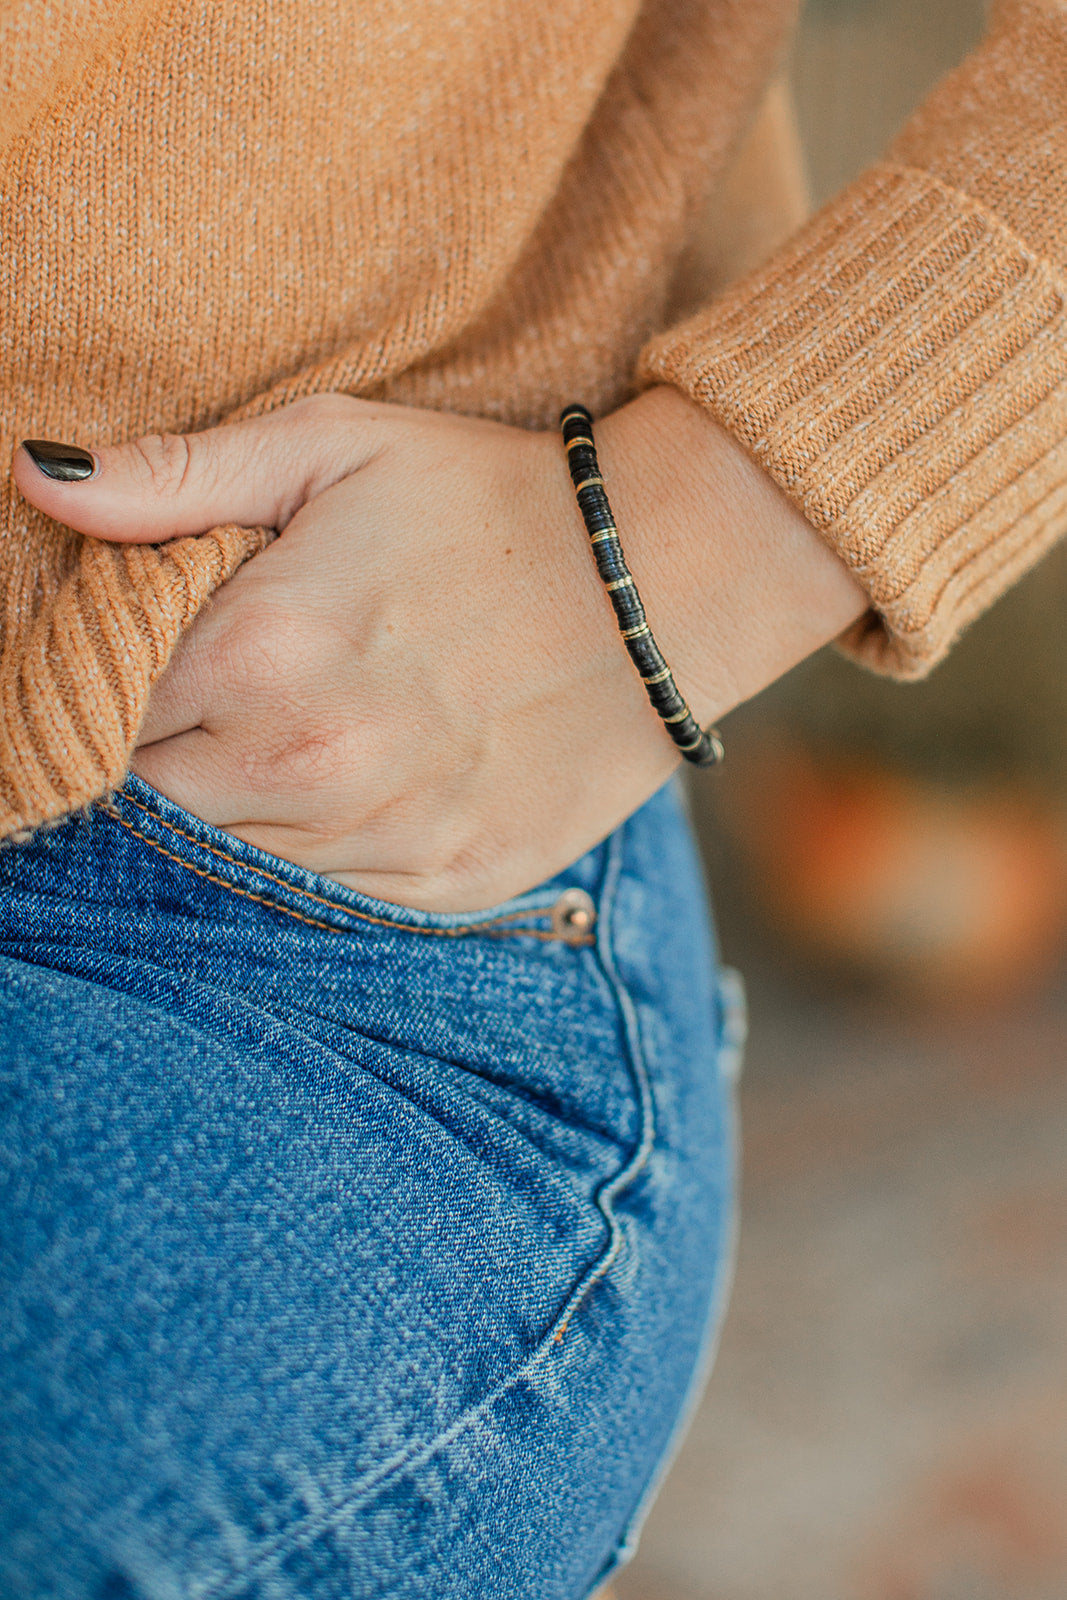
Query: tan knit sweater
column 209, row 210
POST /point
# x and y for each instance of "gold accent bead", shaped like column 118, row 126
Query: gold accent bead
column 679, row 716
column 658, row 677
column 635, row 633
column 580, row 439
column 585, row 484
column 604, row 535
column 619, row 583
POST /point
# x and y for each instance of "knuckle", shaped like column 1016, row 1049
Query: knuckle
column 269, row 644
column 176, row 461
column 309, row 757
column 166, row 459
column 297, row 756
column 327, row 410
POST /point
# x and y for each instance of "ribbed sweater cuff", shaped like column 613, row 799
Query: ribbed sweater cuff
column 900, row 368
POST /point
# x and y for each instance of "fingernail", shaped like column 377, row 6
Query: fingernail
column 65, row 462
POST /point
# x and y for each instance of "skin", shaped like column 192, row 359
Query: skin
column 418, row 689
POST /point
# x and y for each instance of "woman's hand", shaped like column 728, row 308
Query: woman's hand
column 419, row 689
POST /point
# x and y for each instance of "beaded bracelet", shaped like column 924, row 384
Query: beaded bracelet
column 702, row 749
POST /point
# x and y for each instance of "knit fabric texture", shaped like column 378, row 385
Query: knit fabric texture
column 209, row 211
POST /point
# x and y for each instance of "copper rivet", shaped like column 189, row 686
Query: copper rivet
column 573, row 916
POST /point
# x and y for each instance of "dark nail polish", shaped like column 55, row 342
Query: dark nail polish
column 66, row 462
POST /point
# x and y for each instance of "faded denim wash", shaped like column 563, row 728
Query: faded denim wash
column 348, row 1251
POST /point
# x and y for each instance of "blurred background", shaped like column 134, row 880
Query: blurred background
column 888, row 1416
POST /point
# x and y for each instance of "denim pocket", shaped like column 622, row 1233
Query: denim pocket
column 560, row 910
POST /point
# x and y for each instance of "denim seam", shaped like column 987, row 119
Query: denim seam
column 490, row 929
column 417, row 1455
column 732, row 1013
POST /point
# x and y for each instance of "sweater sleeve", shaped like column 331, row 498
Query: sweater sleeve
column 900, row 366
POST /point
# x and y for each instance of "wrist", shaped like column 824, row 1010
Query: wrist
column 737, row 584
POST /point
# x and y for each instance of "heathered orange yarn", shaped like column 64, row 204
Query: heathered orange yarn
column 210, row 210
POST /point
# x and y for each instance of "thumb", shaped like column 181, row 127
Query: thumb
column 256, row 473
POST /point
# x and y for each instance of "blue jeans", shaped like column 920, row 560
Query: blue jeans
column 348, row 1251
